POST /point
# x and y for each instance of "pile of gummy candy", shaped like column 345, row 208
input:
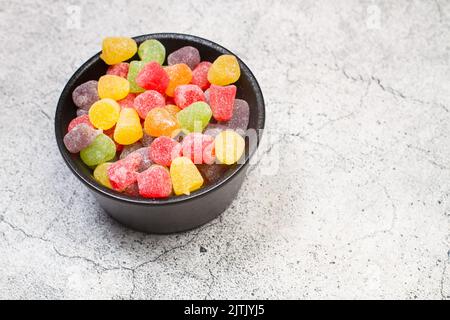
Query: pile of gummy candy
column 151, row 130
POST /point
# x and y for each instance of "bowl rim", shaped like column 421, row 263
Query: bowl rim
column 174, row 199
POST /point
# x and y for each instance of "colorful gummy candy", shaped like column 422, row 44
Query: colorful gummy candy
column 153, row 130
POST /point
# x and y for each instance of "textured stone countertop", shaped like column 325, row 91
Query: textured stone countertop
column 350, row 198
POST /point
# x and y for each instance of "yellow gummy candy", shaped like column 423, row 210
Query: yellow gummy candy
column 113, row 87
column 224, row 71
column 104, row 114
column 229, row 147
column 185, row 176
column 101, row 174
column 128, row 128
column 117, row 49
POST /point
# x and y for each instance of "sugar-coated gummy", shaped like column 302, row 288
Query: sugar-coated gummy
column 173, row 109
column 187, row 55
column 146, row 161
column 128, row 101
column 153, row 77
column 102, row 149
column 81, row 112
column 185, row 176
column 155, row 182
column 225, row 70
column 120, row 69
column 80, row 119
column 240, row 118
column 85, row 94
column 195, row 117
column 222, row 101
column 104, row 114
column 129, row 149
column 123, row 173
column 101, row 174
column 80, row 137
column 147, row 101
column 187, row 94
column 152, row 50
column 132, row 190
column 200, row 75
column 229, row 147
column 128, row 128
column 212, row 172
column 117, row 49
column 159, row 122
column 113, row 87
column 213, row 129
column 194, row 146
column 178, row 74
column 133, row 71
column 163, row 150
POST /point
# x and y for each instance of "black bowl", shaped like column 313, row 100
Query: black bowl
column 178, row 213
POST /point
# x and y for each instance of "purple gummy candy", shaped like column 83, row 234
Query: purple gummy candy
column 188, row 55
column 213, row 129
column 129, row 149
column 81, row 112
column 147, row 140
column 85, row 94
column 241, row 114
column 146, row 161
column 212, row 172
column 80, row 137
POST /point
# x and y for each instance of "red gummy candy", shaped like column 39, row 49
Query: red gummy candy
column 120, row 69
column 123, row 173
column 147, row 101
column 222, row 101
column 153, row 77
column 155, row 182
column 128, row 101
column 200, row 75
column 78, row 120
column 187, row 94
column 163, row 150
column 196, row 145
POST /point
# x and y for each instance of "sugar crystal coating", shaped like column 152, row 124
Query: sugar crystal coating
column 147, row 101
column 129, row 149
column 173, row 109
column 222, row 101
column 195, row 117
column 128, row 128
column 133, row 71
column 147, row 140
column 185, row 176
column 80, row 119
column 225, row 70
column 146, row 161
column 187, row 55
column 102, row 149
column 240, row 118
column 123, row 173
column 120, row 69
column 159, row 122
column 117, row 49
column 194, row 146
column 101, row 174
column 153, row 77
column 152, row 50
column 104, row 114
column 163, row 150
column 187, row 94
column 113, row 87
column 128, row 101
column 200, row 75
column 85, row 94
column 80, row 137
column 178, row 74
column 155, row 182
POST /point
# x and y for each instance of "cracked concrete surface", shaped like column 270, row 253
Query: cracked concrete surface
column 349, row 199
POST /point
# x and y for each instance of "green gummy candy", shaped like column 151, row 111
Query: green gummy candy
column 152, row 50
column 133, row 71
column 102, row 149
column 195, row 117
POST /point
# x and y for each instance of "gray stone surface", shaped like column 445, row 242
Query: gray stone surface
column 358, row 110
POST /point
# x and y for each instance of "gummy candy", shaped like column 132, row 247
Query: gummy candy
column 132, row 190
column 159, row 122
column 123, row 173
column 147, row 101
column 146, row 161
column 85, row 94
column 81, row 112
column 133, row 71
column 120, row 69
column 155, row 182
column 200, row 75
column 187, row 94
column 104, row 114
column 229, row 147
column 212, row 172
column 187, row 55
column 128, row 101
column 213, row 129
column 117, row 49
column 152, row 50
column 222, row 101
column 163, row 150
column 80, row 119
column 102, row 149
column 185, row 176
column 194, row 146
column 113, row 87
column 128, row 128
column 153, row 77
column 80, row 137
column 101, row 174
column 147, row 140
column 129, row 149
column 178, row 74
column 195, row 117
column 173, row 109
column 224, row 70
column 241, row 114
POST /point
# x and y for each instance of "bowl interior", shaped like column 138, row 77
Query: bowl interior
column 247, row 89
